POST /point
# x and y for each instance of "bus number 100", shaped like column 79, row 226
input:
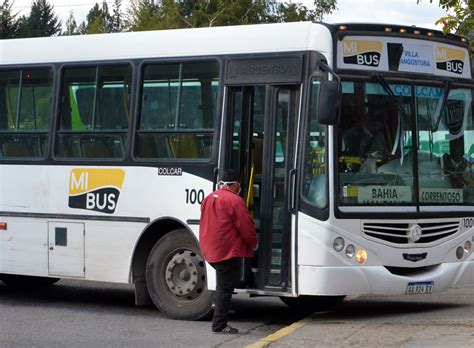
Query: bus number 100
column 468, row 223
column 194, row 196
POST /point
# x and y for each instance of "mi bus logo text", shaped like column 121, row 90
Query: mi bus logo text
column 95, row 189
column 365, row 53
column 450, row 60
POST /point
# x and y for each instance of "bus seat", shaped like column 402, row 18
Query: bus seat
column 183, row 146
column 146, row 146
column 151, row 146
column 95, row 150
column 17, row 150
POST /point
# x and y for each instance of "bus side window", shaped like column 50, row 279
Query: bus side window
column 25, row 112
column 178, row 110
column 94, row 112
column 314, row 190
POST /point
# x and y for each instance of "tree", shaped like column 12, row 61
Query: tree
column 24, row 28
column 71, row 25
column 296, row 12
column 200, row 13
column 169, row 14
column 293, row 12
column 42, row 21
column 208, row 13
column 461, row 16
column 117, row 21
column 323, row 7
column 143, row 15
column 99, row 19
column 9, row 27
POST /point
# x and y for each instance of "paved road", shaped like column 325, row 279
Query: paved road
column 439, row 320
column 88, row 314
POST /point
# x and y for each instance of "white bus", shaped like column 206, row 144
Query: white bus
column 109, row 143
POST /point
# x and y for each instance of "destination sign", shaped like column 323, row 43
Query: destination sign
column 383, row 194
column 269, row 70
column 393, row 54
column 450, row 196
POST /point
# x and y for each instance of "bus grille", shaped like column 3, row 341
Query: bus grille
column 402, row 233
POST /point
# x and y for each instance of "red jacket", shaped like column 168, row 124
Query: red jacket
column 226, row 228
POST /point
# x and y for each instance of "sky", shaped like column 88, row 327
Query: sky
column 404, row 12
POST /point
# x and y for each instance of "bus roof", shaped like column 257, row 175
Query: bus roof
column 246, row 39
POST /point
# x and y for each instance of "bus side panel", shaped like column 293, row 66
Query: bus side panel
column 140, row 193
column 24, row 247
column 23, row 188
column 112, row 224
column 109, row 247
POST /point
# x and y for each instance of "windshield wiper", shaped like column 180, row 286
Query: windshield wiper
column 386, row 87
column 441, row 106
column 405, row 117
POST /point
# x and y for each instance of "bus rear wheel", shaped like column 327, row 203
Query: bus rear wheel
column 311, row 304
column 176, row 277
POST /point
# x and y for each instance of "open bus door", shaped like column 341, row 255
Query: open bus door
column 261, row 127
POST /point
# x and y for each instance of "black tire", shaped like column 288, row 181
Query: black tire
column 176, row 277
column 311, row 304
column 27, row 282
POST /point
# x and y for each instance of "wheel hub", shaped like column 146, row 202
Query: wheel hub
column 185, row 274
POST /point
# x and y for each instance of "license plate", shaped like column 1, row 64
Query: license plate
column 420, row 288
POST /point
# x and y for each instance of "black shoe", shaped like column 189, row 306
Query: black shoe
column 226, row 330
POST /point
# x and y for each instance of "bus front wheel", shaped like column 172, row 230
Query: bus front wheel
column 176, row 277
column 311, row 304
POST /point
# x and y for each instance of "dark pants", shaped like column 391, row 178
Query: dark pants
column 227, row 277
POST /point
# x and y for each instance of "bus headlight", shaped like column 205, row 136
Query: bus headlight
column 350, row 251
column 338, row 244
column 467, row 247
column 459, row 252
column 361, row 256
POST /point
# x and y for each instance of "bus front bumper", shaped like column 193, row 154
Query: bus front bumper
column 360, row 280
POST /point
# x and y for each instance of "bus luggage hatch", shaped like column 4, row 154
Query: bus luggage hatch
column 66, row 249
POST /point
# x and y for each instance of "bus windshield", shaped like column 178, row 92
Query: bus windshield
column 405, row 144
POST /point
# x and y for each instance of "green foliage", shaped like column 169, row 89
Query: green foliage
column 9, row 28
column 143, row 15
column 158, row 14
column 202, row 13
column 460, row 18
column 323, row 7
column 41, row 21
column 117, row 20
column 171, row 14
column 293, row 12
column 99, row 19
column 24, row 28
column 71, row 25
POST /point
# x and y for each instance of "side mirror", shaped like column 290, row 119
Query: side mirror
column 329, row 99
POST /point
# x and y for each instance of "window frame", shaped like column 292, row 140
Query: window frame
column 47, row 132
column 416, row 210
column 211, row 131
column 305, row 206
column 57, row 118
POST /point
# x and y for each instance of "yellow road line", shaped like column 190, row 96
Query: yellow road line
column 279, row 334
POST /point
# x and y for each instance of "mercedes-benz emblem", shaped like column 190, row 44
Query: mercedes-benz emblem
column 415, row 233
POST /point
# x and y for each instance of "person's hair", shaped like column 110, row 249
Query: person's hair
column 230, row 175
